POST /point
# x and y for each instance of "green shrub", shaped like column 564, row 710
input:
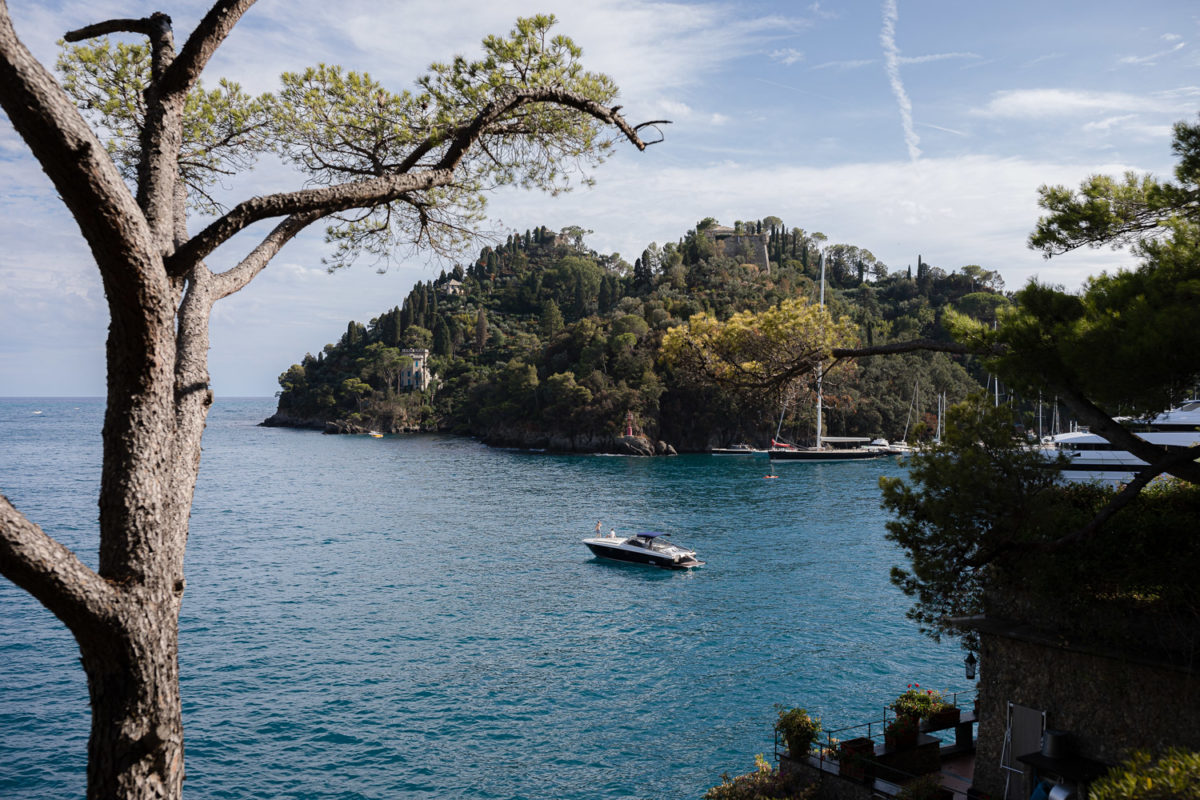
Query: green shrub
column 764, row 783
column 1175, row 775
column 798, row 728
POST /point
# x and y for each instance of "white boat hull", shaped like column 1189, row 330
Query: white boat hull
column 667, row 556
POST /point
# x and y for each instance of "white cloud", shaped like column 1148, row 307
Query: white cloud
column 1153, row 58
column 1044, row 103
column 842, row 65
column 936, row 57
column 816, row 10
column 787, row 57
column 891, row 57
column 1044, row 59
column 1108, row 123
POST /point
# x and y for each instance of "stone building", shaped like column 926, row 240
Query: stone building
column 749, row 248
column 1096, row 695
column 417, row 376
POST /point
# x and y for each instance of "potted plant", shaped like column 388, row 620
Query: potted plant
column 916, row 702
column 943, row 715
column 853, row 756
column 798, row 729
column 901, row 732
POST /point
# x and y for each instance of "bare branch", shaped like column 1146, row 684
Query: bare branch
column 327, row 200
column 896, row 348
column 52, row 573
column 466, row 136
column 205, row 39
column 143, row 26
column 236, row 278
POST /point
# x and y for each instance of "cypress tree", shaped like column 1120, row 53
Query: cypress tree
column 606, row 300
column 441, row 337
column 481, row 330
column 552, row 318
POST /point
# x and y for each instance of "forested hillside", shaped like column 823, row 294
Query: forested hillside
column 543, row 342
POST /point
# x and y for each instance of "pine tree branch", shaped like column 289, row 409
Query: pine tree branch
column 77, row 164
column 896, row 348
column 143, row 26
column 1103, row 425
column 235, row 278
column 323, row 201
column 52, row 574
column 185, row 70
column 387, row 188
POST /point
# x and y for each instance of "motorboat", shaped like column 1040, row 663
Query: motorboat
column 739, row 449
column 644, row 548
column 1090, row 457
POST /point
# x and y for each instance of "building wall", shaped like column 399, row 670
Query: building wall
column 417, row 377
column 752, row 247
column 1109, row 704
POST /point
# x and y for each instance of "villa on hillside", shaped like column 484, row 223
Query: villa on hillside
column 417, row 376
column 746, row 245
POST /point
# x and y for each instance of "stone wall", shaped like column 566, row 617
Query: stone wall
column 829, row 786
column 1110, row 702
column 750, row 247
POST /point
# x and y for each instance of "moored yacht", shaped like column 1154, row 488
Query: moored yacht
column 1092, row 458
column 831, row 448
column 828, row 448
column 644, row 548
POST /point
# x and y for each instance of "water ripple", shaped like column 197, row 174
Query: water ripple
column 415, row 616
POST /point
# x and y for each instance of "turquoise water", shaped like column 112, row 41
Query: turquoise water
column 416, row 617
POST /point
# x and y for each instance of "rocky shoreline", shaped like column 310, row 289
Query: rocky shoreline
column 519, row 438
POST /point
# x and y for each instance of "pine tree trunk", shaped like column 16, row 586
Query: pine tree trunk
column 135, row 751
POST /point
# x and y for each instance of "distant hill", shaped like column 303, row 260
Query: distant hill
column 542, row 342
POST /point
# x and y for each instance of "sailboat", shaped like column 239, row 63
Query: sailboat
column 827, row 448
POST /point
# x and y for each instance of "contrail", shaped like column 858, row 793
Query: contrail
column 891, row 60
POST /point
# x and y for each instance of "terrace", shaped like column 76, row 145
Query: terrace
column 862, row 761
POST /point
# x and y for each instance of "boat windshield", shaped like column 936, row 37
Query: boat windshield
column 648, row 542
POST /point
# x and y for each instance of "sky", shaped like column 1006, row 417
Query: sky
column 905, row 127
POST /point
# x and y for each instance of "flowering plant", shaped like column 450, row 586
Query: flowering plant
column 901, row 725
column 917, row 702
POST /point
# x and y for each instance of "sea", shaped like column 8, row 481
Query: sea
column 416, row 616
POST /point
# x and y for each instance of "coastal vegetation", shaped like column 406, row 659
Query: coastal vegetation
column 764, row 783
column 979, row 517
column 131, row 141
column 542, row 341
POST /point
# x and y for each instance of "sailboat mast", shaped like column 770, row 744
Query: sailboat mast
column 821, row 366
